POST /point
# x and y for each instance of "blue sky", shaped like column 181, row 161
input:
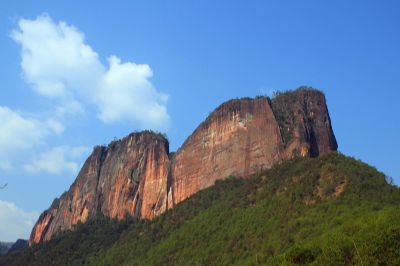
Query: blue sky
column 75, row 74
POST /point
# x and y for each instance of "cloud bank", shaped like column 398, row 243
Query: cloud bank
column 14, row 222
column 18, row 132
column 57, row 160
column 22, row 136
column 60, row 66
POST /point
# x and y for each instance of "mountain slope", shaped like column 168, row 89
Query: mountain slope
column 20, row 244
column 4, row 247
column 330, row 210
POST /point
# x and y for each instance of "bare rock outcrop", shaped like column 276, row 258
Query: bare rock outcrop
column 239, row 138
column 129, row 177
column 135, row 176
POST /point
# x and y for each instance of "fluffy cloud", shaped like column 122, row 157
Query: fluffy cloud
column 18, row 134
column 14, row 222
column 126, row 93
column 55, row 58
column 60, row 66
column 57, row 160
column 22, row 135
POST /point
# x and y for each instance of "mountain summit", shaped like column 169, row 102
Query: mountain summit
column 137, row 176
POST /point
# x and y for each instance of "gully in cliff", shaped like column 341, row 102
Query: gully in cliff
column 137, row 175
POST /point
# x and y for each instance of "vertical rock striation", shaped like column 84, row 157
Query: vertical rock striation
column 135, row 176
column 129, row 177
column 304, row 122
column 239, row 138
column 244, row 136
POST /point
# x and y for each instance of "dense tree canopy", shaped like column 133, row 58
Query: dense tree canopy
column 331, row 210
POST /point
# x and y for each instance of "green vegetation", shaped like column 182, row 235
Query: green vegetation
column 331, row 210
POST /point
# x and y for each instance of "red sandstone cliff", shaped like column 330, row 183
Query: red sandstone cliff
column 134, row 176
column 129, row 177
column 304, row 122
column 239, row 138
column 244, row 136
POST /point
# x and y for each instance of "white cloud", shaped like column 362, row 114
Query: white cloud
column 126, row 93
column 55, row 58
column 14, row 222
column 22, row 138
column 55, row 126
column 70, row 107
column 18, row 133
column 59, row 65
column 57, row 160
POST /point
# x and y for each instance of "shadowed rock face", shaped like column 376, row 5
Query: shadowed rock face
column 304, row 122
column 134, row 176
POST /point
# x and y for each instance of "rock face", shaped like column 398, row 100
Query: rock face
column 136, row 177
column 129, row 177
column 244, row 136
column 239, row 138
column 304, row 122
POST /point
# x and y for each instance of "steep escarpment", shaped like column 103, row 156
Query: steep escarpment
column 304, row 122
column 239, row 138
column 137, row 176
column 245, row 136
column 129, row 177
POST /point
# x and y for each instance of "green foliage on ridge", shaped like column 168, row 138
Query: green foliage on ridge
column 331, row 210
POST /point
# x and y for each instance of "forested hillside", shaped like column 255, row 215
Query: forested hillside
column 331, row 210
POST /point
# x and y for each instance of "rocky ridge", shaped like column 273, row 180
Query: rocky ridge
column 137, row 176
